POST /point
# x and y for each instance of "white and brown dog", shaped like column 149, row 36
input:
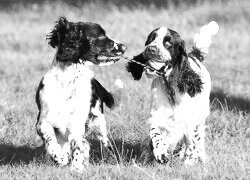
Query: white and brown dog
column 179, row 93
column 69, row 99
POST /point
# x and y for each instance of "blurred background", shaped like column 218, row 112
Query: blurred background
column 25, row 57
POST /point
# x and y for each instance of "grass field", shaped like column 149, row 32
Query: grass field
column 25, row 57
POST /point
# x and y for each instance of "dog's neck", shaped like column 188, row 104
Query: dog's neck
column 64, row 65
column 169, row 81
column 73, row 69
column 169, row 84
column 57, row 62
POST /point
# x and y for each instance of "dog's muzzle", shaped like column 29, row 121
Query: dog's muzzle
column 156, row 61
column 119, row 49
column 114, row 55
column 151, row 52
column 122, row 48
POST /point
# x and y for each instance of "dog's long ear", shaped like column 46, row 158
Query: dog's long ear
column 188, row 80
column 179, row 55
column 70, row 38
column 136, row 69
column 57, row 35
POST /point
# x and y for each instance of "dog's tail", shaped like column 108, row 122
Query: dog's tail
column 203, row 40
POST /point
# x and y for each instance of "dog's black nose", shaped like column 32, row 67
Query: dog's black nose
column 122, row 48
column 151, row 51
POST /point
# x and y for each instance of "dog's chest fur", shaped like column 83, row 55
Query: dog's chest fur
column 67, row 95
column 185, row 108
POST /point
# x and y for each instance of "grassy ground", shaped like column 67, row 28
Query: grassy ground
column 25, row 57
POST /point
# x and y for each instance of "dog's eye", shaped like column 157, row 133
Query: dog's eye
column 167, row 39
column 167, row 42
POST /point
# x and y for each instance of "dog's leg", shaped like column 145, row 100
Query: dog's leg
column 160, row 145
column 102, row 136
column 98, row 121
column 47, row 133
column 79, row 148
column 196, row 149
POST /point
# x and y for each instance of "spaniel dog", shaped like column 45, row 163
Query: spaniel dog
column 69, row 99
column 180, row 93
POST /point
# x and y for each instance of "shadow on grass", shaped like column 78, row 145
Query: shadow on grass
column 10, row 154
column 118, row 152
column 219, row 99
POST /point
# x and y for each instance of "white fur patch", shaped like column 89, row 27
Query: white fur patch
column 67, row 94
column 203, row 39
column 119, row 83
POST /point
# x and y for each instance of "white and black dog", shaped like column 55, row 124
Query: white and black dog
column 179, row 93
column 69, row 99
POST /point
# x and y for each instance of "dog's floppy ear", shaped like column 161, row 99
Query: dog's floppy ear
column 70, row 39
column 188, row 80
column 136, row 69
column 57, row 35
column 179, row 55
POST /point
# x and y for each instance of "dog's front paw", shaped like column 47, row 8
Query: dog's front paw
column 78, row 166
column 161, row 154
column 58, row 155
column 192, row 159
column 80, row 161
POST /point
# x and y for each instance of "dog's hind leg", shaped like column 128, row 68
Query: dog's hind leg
column 97, row 123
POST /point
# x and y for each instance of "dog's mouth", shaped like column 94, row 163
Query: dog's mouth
column 156, row 61
column 157, row 67
column 154, row 68
column 109, row 58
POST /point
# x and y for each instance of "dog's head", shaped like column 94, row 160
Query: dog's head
column 164, row 48
column 84, row 40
